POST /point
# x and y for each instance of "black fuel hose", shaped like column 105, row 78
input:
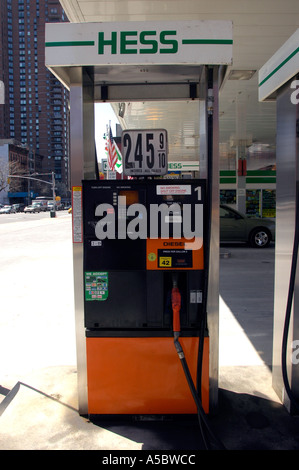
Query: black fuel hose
column 290, row 394
column 206, row 431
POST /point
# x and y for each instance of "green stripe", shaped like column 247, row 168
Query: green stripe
column 91, row 43
column 207, row 41
column 261, row 173
column 260, row 180
column 280, row 66
column 224, row 173
column 228, row 180
column 69, row 43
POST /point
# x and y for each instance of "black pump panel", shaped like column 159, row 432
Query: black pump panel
column 124, row 294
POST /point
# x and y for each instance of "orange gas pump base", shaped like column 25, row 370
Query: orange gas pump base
column 143, row 376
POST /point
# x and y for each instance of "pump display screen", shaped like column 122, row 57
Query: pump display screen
column 132, row 196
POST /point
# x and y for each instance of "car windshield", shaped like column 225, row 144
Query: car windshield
column 224, row 212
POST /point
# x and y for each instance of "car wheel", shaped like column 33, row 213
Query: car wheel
column 260, row 238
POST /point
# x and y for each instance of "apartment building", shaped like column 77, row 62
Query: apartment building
column 35, row 112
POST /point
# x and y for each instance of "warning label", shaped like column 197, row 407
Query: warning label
column 174, row 189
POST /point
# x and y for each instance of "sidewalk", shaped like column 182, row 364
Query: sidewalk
column 39, row 406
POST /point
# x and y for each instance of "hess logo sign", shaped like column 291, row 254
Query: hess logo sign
column 134, row 42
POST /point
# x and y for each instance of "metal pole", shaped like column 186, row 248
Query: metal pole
column 52, row 213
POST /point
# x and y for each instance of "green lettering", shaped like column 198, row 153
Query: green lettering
column 149, row 42
column 172, row 42
column 124, row 42
column 112, row 42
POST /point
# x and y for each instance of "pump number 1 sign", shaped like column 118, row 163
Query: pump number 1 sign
column 145, row 152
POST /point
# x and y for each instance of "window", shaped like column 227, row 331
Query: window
column 228, row 214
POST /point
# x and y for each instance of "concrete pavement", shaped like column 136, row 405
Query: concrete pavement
column 38, row 355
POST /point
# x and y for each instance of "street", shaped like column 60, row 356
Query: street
column 25, row 217
column 36, row 285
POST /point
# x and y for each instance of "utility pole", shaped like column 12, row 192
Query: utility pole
column 53, row 213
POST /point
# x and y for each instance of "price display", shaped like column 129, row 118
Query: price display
column 145, row 152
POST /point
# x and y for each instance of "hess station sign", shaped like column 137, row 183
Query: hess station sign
column 176, row 42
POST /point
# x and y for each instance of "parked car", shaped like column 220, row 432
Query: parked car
column 7, row 210
column 51, row 206
column 237, row 227
column 40, row 206
column 31, row 209
column 19, row 207
column 42, row 203
column 57, row 206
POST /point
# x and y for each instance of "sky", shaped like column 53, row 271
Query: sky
column 103, row 114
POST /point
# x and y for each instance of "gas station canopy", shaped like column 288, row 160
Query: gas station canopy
column 145, row 54
column 259, row 30
column 136, row 67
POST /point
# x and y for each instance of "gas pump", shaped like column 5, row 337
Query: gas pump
column 133, row 270
column 132, row 277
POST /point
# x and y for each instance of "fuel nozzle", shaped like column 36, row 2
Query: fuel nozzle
column 176, row 305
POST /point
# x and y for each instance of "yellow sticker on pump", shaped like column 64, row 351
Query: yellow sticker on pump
column 165, row 262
